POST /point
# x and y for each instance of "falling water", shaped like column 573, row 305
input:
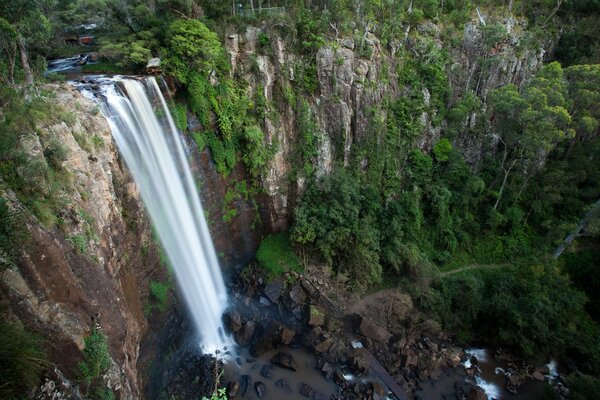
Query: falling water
column 154, row 153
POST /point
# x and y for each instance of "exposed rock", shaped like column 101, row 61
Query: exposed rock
column 324, row 345
column 476, row 393
column 327, row 370
column 153, row 66
column 284, row 360
column 267, row 371
column 372, row 331
column 273, row 290
column 233, row 389
column 297, row 295
column 287, row 335
column 283, row 384
column 232, row 320
column 538, row 376
column 306, row 390
column 243, row 337
column 260, row 388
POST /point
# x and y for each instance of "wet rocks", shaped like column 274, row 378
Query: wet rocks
column 244, row 335
column 284, row 360
column 260, row 388
column 232, row 320
column 307, row 390
column 283, row 384
column 267, row 371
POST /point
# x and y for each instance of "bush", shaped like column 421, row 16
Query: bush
column 21, row 360
column 276, row 255
column 160, row 291
column 96, row 360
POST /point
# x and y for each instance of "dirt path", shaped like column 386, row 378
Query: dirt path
column 471, row 267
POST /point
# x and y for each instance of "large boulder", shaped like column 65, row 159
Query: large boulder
column 284, row 360
column 369, row 329
column 244, row 335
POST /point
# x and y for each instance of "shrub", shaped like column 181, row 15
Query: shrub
column 96, row 360
column 21, row 360
column 160, row 291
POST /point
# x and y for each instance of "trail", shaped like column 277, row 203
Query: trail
column 471, row 267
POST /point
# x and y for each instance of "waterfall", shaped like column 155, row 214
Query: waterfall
column 154, row 153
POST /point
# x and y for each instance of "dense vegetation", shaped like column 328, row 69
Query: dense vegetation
column 388, row 210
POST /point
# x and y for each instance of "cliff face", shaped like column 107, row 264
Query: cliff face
column 356, row 78
column 88, row 269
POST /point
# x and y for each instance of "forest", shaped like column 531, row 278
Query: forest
column 469, row 224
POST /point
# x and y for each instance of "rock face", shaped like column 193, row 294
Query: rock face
column 352, row 82
column 60, row 291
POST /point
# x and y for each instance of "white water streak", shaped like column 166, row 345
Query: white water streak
column 154, row 153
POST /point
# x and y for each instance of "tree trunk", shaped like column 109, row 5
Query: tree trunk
column 11, row 67
column 25, row 62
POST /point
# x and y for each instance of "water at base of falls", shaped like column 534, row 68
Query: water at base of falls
column 152, row 148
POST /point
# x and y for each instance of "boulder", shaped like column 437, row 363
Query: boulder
column 327, row 370
column 372, row 331
column 232, row 320
column 243, row 337
column 153, row 66
column 233, row 388
column 284, row 385
column 297, row 295
column 538, row 376
column 306, row 390
column 260, row 389
column 476, row 393
column 316, row 316
column 324, row 345
column 267, row 371
column 287, row 335
column 284, row 360
column 273, row 290
column 245, row 384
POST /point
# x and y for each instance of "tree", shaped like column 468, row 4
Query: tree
column 529, row 124
column 22, row 25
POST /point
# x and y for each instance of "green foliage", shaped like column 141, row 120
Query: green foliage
column 256, row 153
column 79, row 242
column 582, row 387
column 96, row 361
column 276, row 256
column 193, row 48
column 21, row 360
column 12, row 235
column 442, row 149
column 219, row 394
column 179, row 112
column 337, row 216
column 160, row 292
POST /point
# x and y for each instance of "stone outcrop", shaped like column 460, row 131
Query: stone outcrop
column 353, row 80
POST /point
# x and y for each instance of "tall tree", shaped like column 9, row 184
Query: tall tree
column 23, row 25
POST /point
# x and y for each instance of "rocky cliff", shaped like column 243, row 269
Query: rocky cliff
column 355, row 77
column 88, row 269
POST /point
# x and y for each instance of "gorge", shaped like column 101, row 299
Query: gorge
column 386, row 185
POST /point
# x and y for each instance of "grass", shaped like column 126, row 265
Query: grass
column 276, row 255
